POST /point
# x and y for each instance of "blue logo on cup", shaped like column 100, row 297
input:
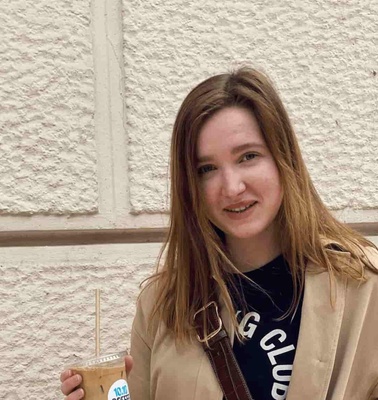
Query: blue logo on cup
column 119, row 391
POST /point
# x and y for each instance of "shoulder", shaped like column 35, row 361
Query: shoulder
column 366, row 257
column 366, row 260
column 142, row 323
column 146, row 299
column 370, row 258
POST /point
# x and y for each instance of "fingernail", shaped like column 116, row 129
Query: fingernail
column 81, row 393
column 78, row 378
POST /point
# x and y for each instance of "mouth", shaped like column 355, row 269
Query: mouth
column 240, row 209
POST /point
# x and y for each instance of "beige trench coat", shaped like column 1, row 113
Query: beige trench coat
column 336, row 356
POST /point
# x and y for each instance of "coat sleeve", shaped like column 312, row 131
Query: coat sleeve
column 140, row 350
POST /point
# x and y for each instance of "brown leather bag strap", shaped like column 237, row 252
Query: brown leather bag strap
column 218, row 348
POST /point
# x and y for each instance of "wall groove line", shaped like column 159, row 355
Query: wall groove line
column 111, row 236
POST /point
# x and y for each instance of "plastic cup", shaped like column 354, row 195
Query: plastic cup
column 104, row 378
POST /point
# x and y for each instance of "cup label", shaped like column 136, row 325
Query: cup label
column 119, row 391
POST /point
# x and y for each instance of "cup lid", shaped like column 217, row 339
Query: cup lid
column 108, row 358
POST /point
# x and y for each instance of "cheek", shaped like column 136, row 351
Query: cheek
column 209, row 195
column 271, row 186
column 277, row 191
column 210, row 202
column 279, row 199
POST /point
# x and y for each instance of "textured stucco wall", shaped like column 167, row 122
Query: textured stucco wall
column 47, row 148
column 47, row 310
column 321, row 54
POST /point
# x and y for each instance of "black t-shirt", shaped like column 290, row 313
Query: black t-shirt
column 266, row 357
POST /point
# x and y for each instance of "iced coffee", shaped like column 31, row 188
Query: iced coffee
column 104, row 378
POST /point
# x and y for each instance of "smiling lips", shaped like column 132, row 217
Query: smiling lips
column 240, row 209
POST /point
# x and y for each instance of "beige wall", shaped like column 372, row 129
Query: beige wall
column 88, row 95
column 47, row 309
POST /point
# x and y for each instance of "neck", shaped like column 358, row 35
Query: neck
column 249, row 254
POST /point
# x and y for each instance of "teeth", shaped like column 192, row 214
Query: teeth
column 239, row 210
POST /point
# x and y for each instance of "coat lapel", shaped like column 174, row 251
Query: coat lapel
column 318, row 336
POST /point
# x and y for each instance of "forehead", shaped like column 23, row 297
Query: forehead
column 228, row 128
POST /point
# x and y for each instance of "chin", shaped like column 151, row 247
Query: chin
column 242, row 234
column 251, row 231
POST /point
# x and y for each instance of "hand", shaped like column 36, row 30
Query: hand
column 69, row 384
column 128, row 364
column 71, row 381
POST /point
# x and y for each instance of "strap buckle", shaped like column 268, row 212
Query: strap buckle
column 216, row 330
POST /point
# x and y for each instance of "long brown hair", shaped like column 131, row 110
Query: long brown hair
column 195, row 258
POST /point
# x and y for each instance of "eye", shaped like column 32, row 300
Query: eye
column 248, row 156
column 205, row 168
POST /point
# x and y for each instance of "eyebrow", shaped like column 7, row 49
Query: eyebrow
column 235, row 150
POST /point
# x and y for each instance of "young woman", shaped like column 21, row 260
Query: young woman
column 297, row 290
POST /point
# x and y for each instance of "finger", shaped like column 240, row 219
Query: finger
column 65, row 375
column 76, row 395
column 129, row 362
column 70, row 384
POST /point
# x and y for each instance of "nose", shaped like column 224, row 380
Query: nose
column 232, row 183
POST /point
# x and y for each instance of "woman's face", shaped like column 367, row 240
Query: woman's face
column 239, row 179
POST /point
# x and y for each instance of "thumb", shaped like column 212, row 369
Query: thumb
column 128, row 364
